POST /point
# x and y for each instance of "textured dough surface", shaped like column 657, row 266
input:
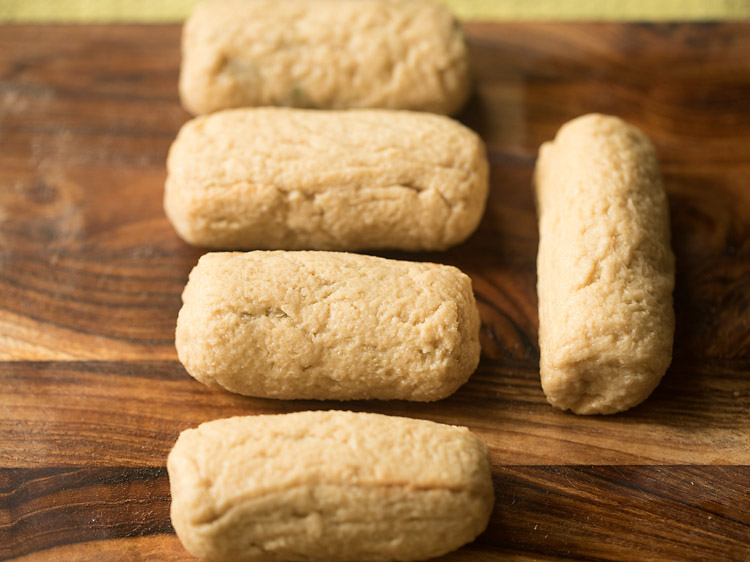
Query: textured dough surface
column 326, row 54
column 328, row 486
column 328, row 325
column 277, row 178
column 605, row 267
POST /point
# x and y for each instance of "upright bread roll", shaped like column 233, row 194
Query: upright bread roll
column 328, row 325
column 328, row 487
column 276, row 178
column 605, row 267
column 326, row 54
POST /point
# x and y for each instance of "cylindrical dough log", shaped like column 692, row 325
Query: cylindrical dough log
column 325, row 54
column 295, row 179
column 605, row 267
column 328, row 325
column 328, row 487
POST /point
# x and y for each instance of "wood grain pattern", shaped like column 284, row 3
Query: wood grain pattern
column 91, row 274
column 82, row 414
column 542, row 513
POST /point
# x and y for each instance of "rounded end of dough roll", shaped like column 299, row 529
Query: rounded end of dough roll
column 593, row 388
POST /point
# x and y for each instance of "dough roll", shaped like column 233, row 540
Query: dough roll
column 325, row 54
column 328, row 325
column 605, row 267
column 328, row 487
column 277, row 178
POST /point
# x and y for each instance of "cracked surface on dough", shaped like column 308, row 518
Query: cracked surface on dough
column 328, row 325
column 330, row 486
column 328, row 54
column 605, row 267
column 276, row 178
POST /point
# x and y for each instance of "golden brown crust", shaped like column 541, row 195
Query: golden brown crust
column 328, row 325
column 326, row 54
column 605, row 267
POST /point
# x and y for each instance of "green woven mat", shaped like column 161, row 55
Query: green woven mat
column 176, row 10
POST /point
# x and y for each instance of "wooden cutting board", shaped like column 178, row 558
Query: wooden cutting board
column 92, row 396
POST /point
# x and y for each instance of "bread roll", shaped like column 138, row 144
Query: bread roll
column 325, row 54
column 287, row 179
column 328, row 325
column 605, row 267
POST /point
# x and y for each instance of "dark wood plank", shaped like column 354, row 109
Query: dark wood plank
column 542, row 513
column 130, row 413
column 91, row 269
column 91, row 274
column 44, row 508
